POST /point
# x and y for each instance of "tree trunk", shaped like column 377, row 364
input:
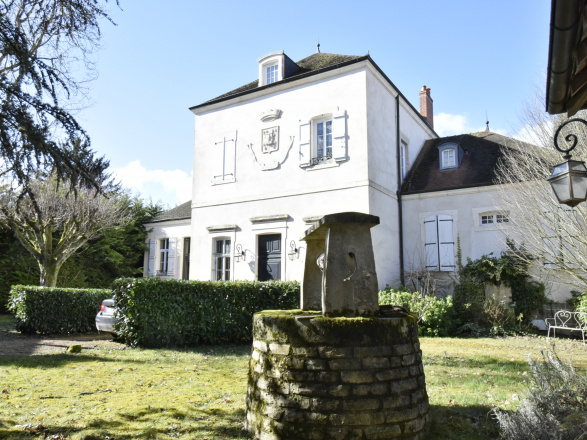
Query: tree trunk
column 49, row 271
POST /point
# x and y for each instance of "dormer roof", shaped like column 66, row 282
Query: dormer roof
column 482, row 153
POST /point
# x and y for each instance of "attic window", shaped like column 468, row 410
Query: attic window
column 272, row 73
column 451, row 155
column 448, row 159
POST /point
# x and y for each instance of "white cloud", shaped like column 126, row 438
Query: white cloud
column 446, row 124
column 170, row 187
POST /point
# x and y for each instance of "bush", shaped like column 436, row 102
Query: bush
column 556, row 407
column 161, row 313
column 55, row 310
column 469, row 299
column 434, row 314
column 581, row 305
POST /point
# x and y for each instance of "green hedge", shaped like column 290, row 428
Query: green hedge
column 55, row 310
column 162, row 313
column 434, row 314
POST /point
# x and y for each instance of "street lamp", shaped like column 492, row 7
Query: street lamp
column 569, row 178
column 239, row 254
column 294, row 251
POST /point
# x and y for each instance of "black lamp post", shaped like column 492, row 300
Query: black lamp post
column 569, row 178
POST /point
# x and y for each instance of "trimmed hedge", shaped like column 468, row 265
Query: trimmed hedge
column 55, row 310
column 434, row 314
column 162, row 313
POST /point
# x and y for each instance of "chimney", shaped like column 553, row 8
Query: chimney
column 426, row 105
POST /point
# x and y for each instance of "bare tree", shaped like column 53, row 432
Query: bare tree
column 43, row 44
column 52, row 222
column 553, row 234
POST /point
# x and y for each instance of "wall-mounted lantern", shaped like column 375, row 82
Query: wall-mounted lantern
column 239, row 255
column 294, row 252
column 569, row 178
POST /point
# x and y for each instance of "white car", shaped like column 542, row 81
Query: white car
column 106, row 317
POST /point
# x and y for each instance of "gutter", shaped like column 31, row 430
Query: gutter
column 399, row 193
column 565, row 24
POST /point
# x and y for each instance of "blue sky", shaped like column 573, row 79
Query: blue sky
column 163, row 57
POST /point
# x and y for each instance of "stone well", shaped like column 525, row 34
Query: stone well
column 315, row 377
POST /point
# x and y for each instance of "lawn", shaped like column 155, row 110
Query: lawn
column 200, row 394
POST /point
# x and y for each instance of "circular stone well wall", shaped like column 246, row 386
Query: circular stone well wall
column 335, row 378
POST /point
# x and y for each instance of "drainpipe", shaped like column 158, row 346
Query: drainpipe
column 399, row 194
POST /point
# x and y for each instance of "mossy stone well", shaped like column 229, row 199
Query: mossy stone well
column 312, row 377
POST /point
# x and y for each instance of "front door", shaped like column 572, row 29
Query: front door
column 269, row 259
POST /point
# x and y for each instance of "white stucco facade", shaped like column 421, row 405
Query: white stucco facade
column 168, row 243
column 262, row 175
column 279, row 191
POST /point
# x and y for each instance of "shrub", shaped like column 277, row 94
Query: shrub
column 434, row 314
column 510, row 269
column 55, row 310
column 468, row 298
column 161, row 313
column 556, row 407
column 581, row 305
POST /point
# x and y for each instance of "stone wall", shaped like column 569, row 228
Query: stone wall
column 336, row 378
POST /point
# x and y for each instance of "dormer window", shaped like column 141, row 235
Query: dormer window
column 448, row 158
column 272, row 73
column 451, row 155
column 274, row 67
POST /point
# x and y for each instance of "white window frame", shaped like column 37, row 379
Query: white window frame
column 224, row 258
column 163, row 256
column 271, row 73
column 326, row 155
column 449, row 160
column 403, row 154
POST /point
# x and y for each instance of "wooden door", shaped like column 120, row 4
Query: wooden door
column 269, row 258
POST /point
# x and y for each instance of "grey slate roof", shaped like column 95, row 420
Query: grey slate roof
column 479, row 166
column 312, row 65
column 316, row 63
column 181, row 212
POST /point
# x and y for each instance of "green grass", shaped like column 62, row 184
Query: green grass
column 200, row 394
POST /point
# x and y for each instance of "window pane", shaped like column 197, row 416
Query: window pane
column 219, row 245
column 227, row 247
column 320, row 128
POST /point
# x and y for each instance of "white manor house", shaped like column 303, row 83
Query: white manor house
column 327, row 134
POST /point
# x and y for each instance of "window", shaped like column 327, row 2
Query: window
column 448, row 158
column 403, row 151
column 221, row 256
column 163, row 256
column 491, row 218
column 272, row 74
column 322, row 141
column 439, row 242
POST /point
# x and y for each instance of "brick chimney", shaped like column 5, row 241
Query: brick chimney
column 426, row 105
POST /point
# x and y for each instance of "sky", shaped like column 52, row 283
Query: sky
column 478, row 58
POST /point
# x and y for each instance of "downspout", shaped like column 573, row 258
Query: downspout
column 399, row 193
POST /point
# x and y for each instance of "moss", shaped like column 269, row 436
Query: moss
column 281, row 326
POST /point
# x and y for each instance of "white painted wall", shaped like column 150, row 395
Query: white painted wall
column 175, row 231
column 365, row 182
